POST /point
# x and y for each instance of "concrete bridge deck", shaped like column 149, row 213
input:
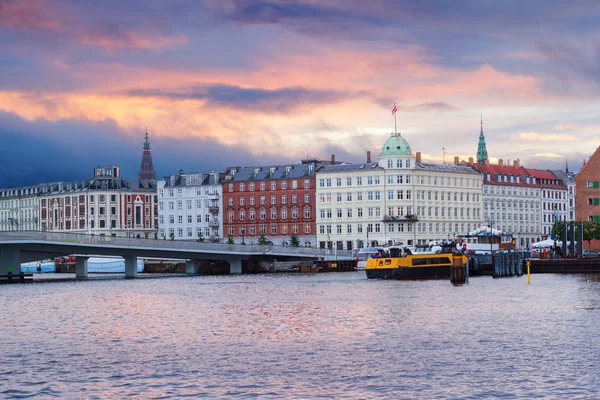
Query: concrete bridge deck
column 21, row 247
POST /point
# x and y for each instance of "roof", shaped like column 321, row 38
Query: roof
column 396, row 145
column 289, row 171
column 350, row 167
column 446, row 167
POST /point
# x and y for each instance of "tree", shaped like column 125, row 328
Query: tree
column 172, row 236
column 262, row 239
column 200, row 237
column 557, row 229
column 230, row 240
column 591, row 231
column 294, row 242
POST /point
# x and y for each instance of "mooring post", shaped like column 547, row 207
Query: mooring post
column 528, row 263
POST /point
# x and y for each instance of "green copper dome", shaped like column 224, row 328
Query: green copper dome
column 396, row 146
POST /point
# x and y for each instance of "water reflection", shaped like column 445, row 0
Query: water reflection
column 334, row 335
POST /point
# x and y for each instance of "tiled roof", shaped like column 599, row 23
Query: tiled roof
column 289, row 171
column 446, row 167
column 350, row 167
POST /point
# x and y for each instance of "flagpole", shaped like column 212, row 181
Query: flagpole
column 395, row 129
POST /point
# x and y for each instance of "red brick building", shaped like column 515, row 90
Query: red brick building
column 587, row 181
column 278, row 201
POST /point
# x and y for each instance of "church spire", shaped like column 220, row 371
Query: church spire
column 481, row 147
column 147, row 168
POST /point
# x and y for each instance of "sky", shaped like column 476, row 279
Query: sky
column 220, row 83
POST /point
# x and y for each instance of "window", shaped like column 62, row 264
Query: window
column 306, row 198
column 359, row 180
column 242, row 201
column 273, row 199
column 251, row 186
column 306, row 212
column 284, row 185
column 284, row 213
column 390, row 163
column 242, row 187
column 348, row 181
column 189, row 219
column 230, row 187
column 338, row 182
column 230, row 201
column 274, row 185
column 262, row 186
column 294, row 213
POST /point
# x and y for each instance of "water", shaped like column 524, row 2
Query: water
column 334, row 335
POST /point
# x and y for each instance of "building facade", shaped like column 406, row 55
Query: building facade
column 189, row 207
column 588, row 189
column 396, row 199
column 277, row 201
column 568, row 178
column 19, row 209
column 105, row 205
column 554, row 198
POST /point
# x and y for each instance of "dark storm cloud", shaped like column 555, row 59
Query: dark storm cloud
column 68, row 150
column 276, row 100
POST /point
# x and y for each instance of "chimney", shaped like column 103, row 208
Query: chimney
column 333, row 159
column 470, row 160
column 368, row 156
column 516, row 163
column 418, row 156
column 456, row 160
column 500, row 162
column 487, row 161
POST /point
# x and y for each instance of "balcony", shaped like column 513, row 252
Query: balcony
column 213, row 223
column 401, row 218
column 213, row 209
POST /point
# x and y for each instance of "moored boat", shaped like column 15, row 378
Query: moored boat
column 398, row 264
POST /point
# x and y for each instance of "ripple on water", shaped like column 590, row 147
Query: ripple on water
column 301, row 336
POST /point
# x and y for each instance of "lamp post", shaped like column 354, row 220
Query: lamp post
column 243, row 232
column 491, row 231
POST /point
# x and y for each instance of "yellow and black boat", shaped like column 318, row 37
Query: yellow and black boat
column 394, row 264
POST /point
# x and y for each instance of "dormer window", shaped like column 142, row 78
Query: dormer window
column 272, row 170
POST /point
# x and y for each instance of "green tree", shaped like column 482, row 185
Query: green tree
column 262, row 239
column 172, row 236
column 230, row 240
column 200, row 237
column 591, row 231
column 557, row 229
column 294, row 241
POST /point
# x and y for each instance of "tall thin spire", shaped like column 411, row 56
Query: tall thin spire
column 147, row 167
column 566, row 164
column 481, row 147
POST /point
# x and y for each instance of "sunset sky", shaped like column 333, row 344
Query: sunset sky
column 224, row 82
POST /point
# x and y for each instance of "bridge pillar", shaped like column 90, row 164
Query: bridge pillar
column 130, row 266
column 235, row 266
column 10, row 259
column 81, row 267
column 190, row 267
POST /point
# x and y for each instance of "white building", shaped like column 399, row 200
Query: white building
column 189, row 207
column 521, row 201
column 106, row 205
column 19, row 209
column 397, row 199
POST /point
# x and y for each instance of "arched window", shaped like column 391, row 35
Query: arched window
column 399, row 164
column 407, row 163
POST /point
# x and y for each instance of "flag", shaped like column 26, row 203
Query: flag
column 394, row 109
column 328, row 238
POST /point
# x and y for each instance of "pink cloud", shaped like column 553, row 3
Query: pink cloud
column 28, row 15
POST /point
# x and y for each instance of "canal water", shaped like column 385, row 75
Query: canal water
column 334, row 335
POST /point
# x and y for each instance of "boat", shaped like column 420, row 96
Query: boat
column 397, row 262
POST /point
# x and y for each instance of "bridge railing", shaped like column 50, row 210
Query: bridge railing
column 182, row 245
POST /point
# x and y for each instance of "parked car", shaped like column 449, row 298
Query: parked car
column 591, row 253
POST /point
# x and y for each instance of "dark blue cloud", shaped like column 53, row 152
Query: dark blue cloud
column 276, row 100
column 41, row 151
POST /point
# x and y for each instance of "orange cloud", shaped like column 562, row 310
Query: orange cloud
column 131, row 40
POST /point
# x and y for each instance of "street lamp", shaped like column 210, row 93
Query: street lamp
column 491, row 231
column 243, row 232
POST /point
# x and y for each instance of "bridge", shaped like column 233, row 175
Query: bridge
column 22, row 247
